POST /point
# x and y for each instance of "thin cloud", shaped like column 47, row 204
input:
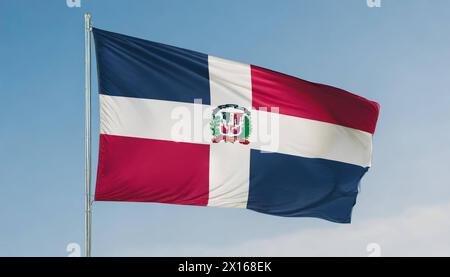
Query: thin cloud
column 423, row 231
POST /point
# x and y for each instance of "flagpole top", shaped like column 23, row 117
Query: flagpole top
column 87, row 21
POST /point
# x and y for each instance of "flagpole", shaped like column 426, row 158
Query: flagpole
column 87, row 158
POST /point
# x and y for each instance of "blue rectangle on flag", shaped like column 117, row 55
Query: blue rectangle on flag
column 289, row 185
column 134, row 67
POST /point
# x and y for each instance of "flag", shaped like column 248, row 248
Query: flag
column 182, row 127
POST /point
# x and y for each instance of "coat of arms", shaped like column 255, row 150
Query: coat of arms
column 230, row 123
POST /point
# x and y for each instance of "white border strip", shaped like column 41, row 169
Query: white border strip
column 155, row 119
column 229, row 171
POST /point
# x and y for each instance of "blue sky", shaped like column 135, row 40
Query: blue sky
column 397, row 55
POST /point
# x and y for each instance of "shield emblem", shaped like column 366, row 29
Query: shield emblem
column 231, row 123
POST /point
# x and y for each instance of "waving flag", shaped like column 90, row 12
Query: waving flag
column 182, row 127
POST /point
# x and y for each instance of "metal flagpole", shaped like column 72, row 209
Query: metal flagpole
column 87, row 158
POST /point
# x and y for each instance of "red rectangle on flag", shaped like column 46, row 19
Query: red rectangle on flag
column 300, row 98
column 148, row 170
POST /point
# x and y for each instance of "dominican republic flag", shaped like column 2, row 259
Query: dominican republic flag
column 182, row 127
